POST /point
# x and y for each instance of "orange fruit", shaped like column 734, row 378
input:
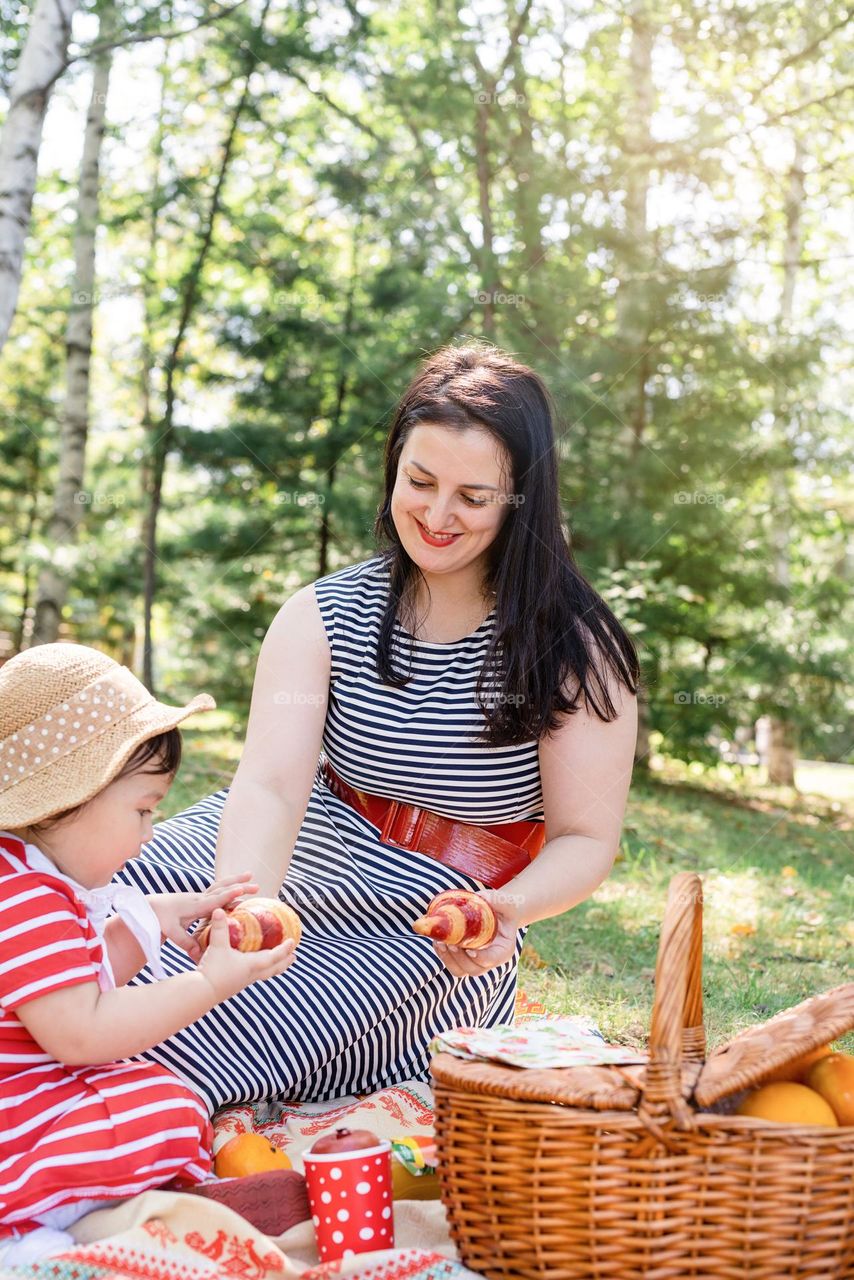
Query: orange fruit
column 248, row 1153
column 787, row 1103
column 798, row 1069
column 833, row 1078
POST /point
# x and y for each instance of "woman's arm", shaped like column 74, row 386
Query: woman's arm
column 269, row 795
column 585, row 769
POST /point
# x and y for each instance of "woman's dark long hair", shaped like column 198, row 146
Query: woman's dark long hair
column 550, row 623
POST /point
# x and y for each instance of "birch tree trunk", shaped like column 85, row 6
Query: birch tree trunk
column 529, row 219
column 486, row 103
column 165, row 428
column 782, row 733
column 336, row 445
column 33, row 489
column 69, row 503
column 150, row 309
column 42, row 61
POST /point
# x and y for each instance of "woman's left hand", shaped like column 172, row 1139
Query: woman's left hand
column 177, row 911
column 465, row 963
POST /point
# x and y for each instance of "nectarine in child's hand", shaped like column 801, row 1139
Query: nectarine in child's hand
column 228, row 970
column 257, row 924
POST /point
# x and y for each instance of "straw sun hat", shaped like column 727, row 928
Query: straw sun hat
column 70, row 718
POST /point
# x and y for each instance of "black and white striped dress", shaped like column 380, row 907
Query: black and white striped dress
column 358, row 1007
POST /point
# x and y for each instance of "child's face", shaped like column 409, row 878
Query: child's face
column 109, row 830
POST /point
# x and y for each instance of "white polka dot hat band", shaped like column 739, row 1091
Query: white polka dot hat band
column 70, row 718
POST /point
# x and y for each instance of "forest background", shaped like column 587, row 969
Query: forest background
column 251, row 222
column 230, row 232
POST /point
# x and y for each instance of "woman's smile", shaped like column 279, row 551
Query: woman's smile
column 435, row 539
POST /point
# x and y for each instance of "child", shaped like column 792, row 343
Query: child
column 86, row 753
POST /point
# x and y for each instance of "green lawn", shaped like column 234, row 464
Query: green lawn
column 778, row 877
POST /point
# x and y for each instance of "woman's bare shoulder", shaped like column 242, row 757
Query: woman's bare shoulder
column 298, row 629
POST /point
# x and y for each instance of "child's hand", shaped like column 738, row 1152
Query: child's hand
column 177, row 911
column 229, row 971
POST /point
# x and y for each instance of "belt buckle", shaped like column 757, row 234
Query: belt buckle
column 406, row 833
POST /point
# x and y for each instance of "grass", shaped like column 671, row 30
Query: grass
column 778, row 880
column 777, row 885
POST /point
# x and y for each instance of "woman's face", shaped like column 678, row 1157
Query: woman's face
column 451, row 495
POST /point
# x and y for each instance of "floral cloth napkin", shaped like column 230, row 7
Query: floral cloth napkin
column 537, row 1042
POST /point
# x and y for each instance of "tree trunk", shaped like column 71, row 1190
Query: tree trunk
column 42, row 61
column 69, row 503
column 485, row 101
column 143, row 660
column 529, row 220
column 26, row 537
column 782, row 752
column 342, row 388
column 780, row 495
column 165, row 429
column 488, row 274
column 632, row 316
column 642, row 746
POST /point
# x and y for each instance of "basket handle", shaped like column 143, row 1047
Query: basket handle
column 676, row 1033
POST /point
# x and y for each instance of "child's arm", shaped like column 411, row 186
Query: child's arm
column 175, row 912
column 126, row 955
column 82, row 1026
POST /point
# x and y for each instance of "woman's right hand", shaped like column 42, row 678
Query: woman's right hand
column 229, row 971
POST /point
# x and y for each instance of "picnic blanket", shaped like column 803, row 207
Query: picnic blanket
column 166, row 1235
column 163, row 1235
column 400, row 1110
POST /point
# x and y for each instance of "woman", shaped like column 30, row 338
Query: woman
column 469, row 673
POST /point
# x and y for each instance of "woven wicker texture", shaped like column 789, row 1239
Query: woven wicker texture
column 554, row 1192
column 602, row 1088
column 755, row 1052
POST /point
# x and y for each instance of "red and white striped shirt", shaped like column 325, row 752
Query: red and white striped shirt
column 71, row 1135
column 46, row 943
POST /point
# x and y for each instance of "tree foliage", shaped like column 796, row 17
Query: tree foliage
column 605, row 192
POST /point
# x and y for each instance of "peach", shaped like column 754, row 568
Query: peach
column 248, row 1153
column 257, row 924
column 460, row 918
column 344, row 1140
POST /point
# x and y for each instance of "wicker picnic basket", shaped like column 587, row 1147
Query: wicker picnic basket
column 618, row 1172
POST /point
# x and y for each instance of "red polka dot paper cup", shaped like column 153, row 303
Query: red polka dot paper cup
column 350, row 1196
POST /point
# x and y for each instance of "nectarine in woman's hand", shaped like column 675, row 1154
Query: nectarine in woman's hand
column 458, row 917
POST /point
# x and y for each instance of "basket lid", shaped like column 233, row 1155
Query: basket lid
column 754, row 1053
column 610, row 1088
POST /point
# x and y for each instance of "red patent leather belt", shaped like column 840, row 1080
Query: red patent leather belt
column 492, row 854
